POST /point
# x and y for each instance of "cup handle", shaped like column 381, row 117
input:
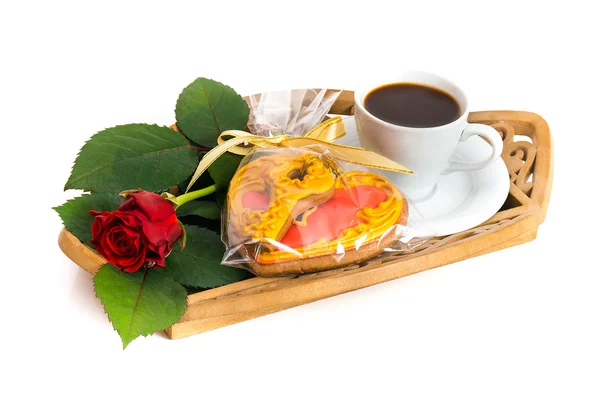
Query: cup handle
column 487, row 133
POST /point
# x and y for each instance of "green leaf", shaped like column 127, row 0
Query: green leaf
column 204, row 181
column 223, row 169
column 221, row 198
column 199, row 263
column 193, row 290
column 75, row 212
column 205, row 209
column 133, row 156
column 139, row 303
column 206, row 108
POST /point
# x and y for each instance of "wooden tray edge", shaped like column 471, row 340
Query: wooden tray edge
column 544, row 163
column 85, row 257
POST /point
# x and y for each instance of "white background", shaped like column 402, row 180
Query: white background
column 523, row 321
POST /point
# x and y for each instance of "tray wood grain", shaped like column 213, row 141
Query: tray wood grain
column 528, row 156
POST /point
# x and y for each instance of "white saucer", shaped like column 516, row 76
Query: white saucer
column 462, row 200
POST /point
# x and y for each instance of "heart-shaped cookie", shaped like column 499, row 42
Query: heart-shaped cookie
column 288, row 215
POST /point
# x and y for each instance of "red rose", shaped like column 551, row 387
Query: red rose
column 142, row 230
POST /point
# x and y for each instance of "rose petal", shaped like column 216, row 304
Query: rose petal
column 129, row 218
column 138, row 262
column 111, row 237
column 155, row 232
column 174, row 229
column 132, row 231
column 155, row 207
column 157, row 258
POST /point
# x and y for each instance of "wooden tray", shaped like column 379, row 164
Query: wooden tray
column 528, row 156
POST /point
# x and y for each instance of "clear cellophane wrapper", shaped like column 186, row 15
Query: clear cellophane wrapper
column 299, row 210
column 291, row 112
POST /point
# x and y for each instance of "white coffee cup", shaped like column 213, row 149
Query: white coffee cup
column 425, row 151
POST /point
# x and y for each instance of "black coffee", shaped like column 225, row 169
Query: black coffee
column 412, row 105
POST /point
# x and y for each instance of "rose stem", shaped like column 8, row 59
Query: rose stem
column 184, row 198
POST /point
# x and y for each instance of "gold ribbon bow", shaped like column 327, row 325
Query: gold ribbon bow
column 323, row 134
